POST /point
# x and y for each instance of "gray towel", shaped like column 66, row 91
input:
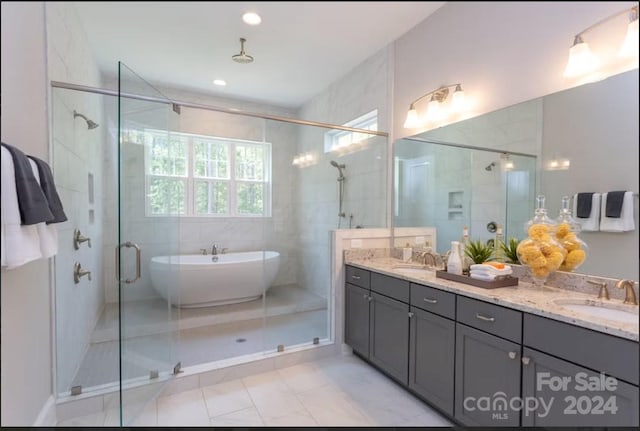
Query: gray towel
column 32, row 202
column 584, row 205
column 614, row 203
column 48, row 186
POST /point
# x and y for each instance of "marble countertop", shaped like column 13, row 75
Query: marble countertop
column 524, row 297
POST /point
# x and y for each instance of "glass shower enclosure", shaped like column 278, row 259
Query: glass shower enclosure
column 141, row 178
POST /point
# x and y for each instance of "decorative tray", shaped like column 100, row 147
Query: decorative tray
column 503, row 282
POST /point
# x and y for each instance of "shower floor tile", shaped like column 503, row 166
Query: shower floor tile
column 198, row 345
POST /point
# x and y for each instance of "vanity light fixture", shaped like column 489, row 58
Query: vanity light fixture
column 629, row 47
column 581, row 61
column 438, row 98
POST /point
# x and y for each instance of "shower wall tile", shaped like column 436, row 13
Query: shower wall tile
column 76, row 153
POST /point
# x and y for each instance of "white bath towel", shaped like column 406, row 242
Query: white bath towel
column 21, row 244
column 625, row 222
column 48, row 233
column 592, row 223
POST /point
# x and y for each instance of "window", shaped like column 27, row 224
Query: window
column 339, row 139
column 196, row 175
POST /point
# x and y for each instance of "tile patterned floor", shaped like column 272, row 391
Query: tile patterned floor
column 336, row 391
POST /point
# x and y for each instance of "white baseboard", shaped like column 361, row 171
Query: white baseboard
column 47, row 416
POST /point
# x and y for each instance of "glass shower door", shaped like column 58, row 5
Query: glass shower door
column 151, row 197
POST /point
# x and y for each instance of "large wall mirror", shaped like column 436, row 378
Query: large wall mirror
column 490, row 168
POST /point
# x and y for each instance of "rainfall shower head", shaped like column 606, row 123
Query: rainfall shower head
column 340, row 168
column 90, row 123
column 490, row 166
column 243, row 57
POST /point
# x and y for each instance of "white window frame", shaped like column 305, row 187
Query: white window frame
column 191, row 178
column 338, row 139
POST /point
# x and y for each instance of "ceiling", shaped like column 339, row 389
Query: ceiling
column 299, row 49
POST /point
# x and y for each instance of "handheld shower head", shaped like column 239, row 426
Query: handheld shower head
column 243, row 57
column 340, row 168
column 90, row 123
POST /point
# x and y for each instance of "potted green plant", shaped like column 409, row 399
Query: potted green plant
column 478, row 251
column 509, row 250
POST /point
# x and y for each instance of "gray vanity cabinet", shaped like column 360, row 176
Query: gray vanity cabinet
column 487, row 368
column 389, row 336
column 431, row 357
column 356, row 333
column 566, row 395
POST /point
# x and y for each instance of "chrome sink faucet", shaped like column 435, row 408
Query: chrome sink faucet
column 214, row 249
column 629, row 295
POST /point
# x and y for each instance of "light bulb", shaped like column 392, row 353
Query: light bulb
column 629, row 47
column 412, row 120
column 580, row 59
column 433, row 109
column 457, row 100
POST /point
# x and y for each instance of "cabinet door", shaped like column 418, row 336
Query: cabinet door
column 570, row 395
column 389, row 336
column 356, row 331
column 487, row 378
column 431, row 358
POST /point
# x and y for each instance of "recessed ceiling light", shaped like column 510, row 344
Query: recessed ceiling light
column 251, row 18
column 220, row 82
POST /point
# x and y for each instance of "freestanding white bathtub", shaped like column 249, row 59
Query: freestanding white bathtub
column 191, row 281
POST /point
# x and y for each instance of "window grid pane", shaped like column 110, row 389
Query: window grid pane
column 166, row 195
column 212, row 197
column 168, row 155
column 249, row 162
column 250, row 198
column 211, row 159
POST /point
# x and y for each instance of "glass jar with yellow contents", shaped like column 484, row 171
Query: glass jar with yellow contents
column 540, row 251
column 567, row 235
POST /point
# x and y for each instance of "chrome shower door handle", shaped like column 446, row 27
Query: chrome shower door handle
column 128, row 244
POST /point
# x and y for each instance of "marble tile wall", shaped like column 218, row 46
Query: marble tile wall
column 76, row 154
column 362, row 90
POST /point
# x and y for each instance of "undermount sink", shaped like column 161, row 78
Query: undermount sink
column 618, row 312
column 413, row 269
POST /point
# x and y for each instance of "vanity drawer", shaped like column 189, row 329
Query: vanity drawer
column 392, row 287
column 357, row 276
column 500, row 321
column 612, row 355
column 434, row 300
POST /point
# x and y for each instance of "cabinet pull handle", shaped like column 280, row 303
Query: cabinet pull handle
column 430, row 301
column 512, row 355
column 410, row 314
column 525, row 360
column 355, row 277
column 485, row 318
column 365, row 296
column 370, row 298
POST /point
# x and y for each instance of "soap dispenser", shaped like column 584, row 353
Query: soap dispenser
column 454, row 264
column 407, row 253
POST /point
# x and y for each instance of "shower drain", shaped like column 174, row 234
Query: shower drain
column 241, row 340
